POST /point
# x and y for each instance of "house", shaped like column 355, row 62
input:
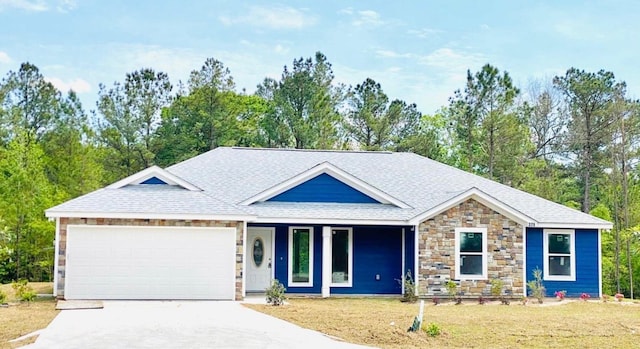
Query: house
column 227, row 222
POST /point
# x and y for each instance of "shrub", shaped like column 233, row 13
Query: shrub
column 482, row 300
column 452, row 288
column 585, row 296
column 435, row 300
column 409, row 294
column 605, row 298
column 433, row 329
column 23, row 291
column 275, row 293
column 3, row 297
column 619, row 297
column 560, row 294
column 536, row 286
column 496, row 287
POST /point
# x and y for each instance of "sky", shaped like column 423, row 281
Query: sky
column 419, row 51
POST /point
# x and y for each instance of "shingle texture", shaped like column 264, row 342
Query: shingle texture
column 229, row 176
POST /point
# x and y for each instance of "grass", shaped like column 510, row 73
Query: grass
column 23, row 318
column 384, row 323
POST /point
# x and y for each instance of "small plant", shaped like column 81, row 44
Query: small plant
column 435, row 300
column 524, row 300
column 619, row 297
column 275, row 293
column 482, row 300
column 409, row 294
column 3, row 297
column 560, row 295
column 433, row 329
column 504, row 301
column 452, row 288
column 585, row 296
column 23, row 291
column 605, row 298
column 536, row 286
column 496, row 287
column 458, row 300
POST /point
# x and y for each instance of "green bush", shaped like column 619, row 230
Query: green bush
column 433, row 329
column 275, row 293
column 3, row 297
column 536, row 287
column 23, row 291
column 496, row 287
column 452, row 289
column 409, row 294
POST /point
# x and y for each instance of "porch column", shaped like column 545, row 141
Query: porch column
column 326, row 261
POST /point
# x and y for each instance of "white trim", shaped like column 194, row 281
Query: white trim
column 574, row 225
column 154, row 171
column 56, row 258
column 484, row 254
column 244, row 259
column 524, row 260
column 146, row 215
column 403, row 263
column 572, row 254
column 325, row 221
column 333, row 171
column 290, row 260
column 326, row 261
column 481, row 197
column 600, row 263
column 416, row 255
column 349, row 282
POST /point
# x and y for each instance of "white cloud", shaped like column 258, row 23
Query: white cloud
column 392, row 54
column 346, row 11
column 368, row 18
column 65, row 6
column 4, row 58
column 78, row 85
column 36, row 5
column 277, row 17
column 424, row 33
column 280, row 49
column 452, row 61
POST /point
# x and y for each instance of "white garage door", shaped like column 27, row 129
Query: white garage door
column 122, row 262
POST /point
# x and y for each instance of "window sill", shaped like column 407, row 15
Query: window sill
column 341, row 285
column 559, row 278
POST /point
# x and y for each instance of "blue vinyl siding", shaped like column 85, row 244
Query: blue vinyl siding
column 323, row 188
column 586, row 247
column 153, row 180
column 376, row 251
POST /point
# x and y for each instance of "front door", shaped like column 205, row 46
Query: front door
column 260, row 258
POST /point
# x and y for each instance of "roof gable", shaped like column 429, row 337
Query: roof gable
column 324, row 188
column 305, row 181
column 154, row 175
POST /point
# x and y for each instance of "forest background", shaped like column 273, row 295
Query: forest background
column 572, row 139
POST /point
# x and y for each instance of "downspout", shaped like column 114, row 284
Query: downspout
column 524, row 260
column 244, row 259
column 404, row 262
column 416, row 254
column 600, row 263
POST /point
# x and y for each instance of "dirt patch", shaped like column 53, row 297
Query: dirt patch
column 384, row 322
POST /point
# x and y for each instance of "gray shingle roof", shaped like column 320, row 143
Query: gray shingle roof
column 229, row 176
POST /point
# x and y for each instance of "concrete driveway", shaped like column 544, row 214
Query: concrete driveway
column 177, row 324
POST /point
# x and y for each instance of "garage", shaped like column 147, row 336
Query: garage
column 138, row 262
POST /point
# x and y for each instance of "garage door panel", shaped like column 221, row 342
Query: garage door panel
column 106, row 262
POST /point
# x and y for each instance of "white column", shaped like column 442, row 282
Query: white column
column 326, row 261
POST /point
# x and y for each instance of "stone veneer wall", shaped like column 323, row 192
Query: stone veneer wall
column 64, row 222
column 436, row 254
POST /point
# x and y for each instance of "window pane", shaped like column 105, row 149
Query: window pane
column 470, row 265
column 560, row 266
column 300, row 255
column 340, row 256
column 560, row 243
column 470, row 242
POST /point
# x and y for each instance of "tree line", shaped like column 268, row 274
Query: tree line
column 572, row 139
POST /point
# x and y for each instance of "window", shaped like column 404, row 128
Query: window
column 341, row 257
column 559, row 255
column 301, row 256
column 471, row 253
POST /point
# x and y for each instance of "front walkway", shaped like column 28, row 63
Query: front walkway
column 176, row 324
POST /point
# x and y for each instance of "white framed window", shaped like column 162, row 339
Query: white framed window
column 300, row 256
column 341, row 257
column 471, row 253
column 559, row 253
